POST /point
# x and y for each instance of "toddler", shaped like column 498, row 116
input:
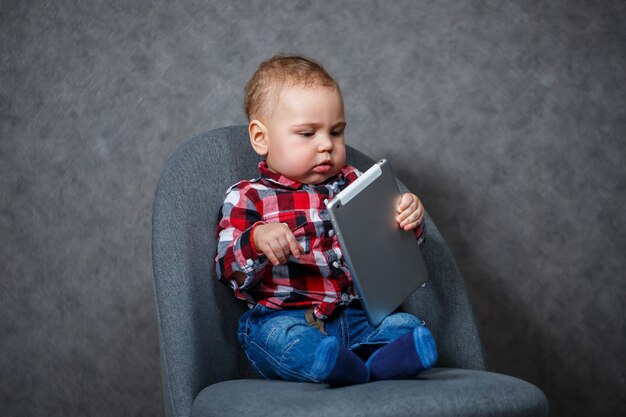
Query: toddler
column 278, row 251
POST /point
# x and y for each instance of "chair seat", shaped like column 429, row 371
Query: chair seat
column 437, row 392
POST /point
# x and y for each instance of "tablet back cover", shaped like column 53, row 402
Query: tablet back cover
column 385, row 261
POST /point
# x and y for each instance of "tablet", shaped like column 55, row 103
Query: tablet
column 386, row 263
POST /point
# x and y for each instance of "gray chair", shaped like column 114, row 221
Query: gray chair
column 205, row 372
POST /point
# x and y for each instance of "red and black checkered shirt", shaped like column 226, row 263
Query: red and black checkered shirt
column 319, row 277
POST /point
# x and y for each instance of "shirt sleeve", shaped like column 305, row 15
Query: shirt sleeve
column 238, row 215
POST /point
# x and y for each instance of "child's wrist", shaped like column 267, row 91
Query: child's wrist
column 252, row 244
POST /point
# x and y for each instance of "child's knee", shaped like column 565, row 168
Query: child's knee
column 278, row 333
column 391, row 328
column 402, row 321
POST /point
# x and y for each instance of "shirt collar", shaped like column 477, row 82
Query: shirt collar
column 283, row 181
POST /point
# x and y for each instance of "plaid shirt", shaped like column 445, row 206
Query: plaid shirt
column 319, row 278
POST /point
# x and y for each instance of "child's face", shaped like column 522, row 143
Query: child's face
column 305, row 134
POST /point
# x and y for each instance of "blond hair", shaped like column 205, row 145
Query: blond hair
column 277, row 72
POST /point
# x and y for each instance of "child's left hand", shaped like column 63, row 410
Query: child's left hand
column 411, row 211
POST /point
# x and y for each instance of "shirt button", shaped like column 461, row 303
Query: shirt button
column 331, row 233
column 336, row 264
column 345, row 297
column 249, row 262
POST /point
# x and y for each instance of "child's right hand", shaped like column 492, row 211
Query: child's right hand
column 277, row 242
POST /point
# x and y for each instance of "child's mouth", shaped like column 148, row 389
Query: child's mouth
column 321, row 168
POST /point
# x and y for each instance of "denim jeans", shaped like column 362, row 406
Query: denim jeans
column 281, row 344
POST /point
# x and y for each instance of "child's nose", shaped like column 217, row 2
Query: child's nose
column 326, row 143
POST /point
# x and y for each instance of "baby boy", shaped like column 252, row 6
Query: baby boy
column 278, row 251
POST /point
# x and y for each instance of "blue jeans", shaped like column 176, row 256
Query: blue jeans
column 281, row 344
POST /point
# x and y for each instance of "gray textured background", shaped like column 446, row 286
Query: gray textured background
column 508, row 118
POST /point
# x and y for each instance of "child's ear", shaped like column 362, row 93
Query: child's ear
column 258, row 137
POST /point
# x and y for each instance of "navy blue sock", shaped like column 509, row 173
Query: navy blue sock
column 337, row 366
column 405, row 357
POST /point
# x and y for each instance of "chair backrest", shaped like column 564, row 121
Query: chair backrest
column 197, row 316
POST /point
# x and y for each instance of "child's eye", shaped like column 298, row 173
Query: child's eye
column 336, row 133
column 307, row 134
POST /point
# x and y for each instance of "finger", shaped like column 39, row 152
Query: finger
column 405, row 214
column 405, row 201
column 296, row 249
column 267, row 251
column 410, row 226
column 407, row 218
column 278, row 251
column 292, row 247
column 418, row 204
column 420, row 213
column 414, row 218
column 285, row 246
column 416, row 212
column 400, row 218
column 401, row 203
column 412, row 221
